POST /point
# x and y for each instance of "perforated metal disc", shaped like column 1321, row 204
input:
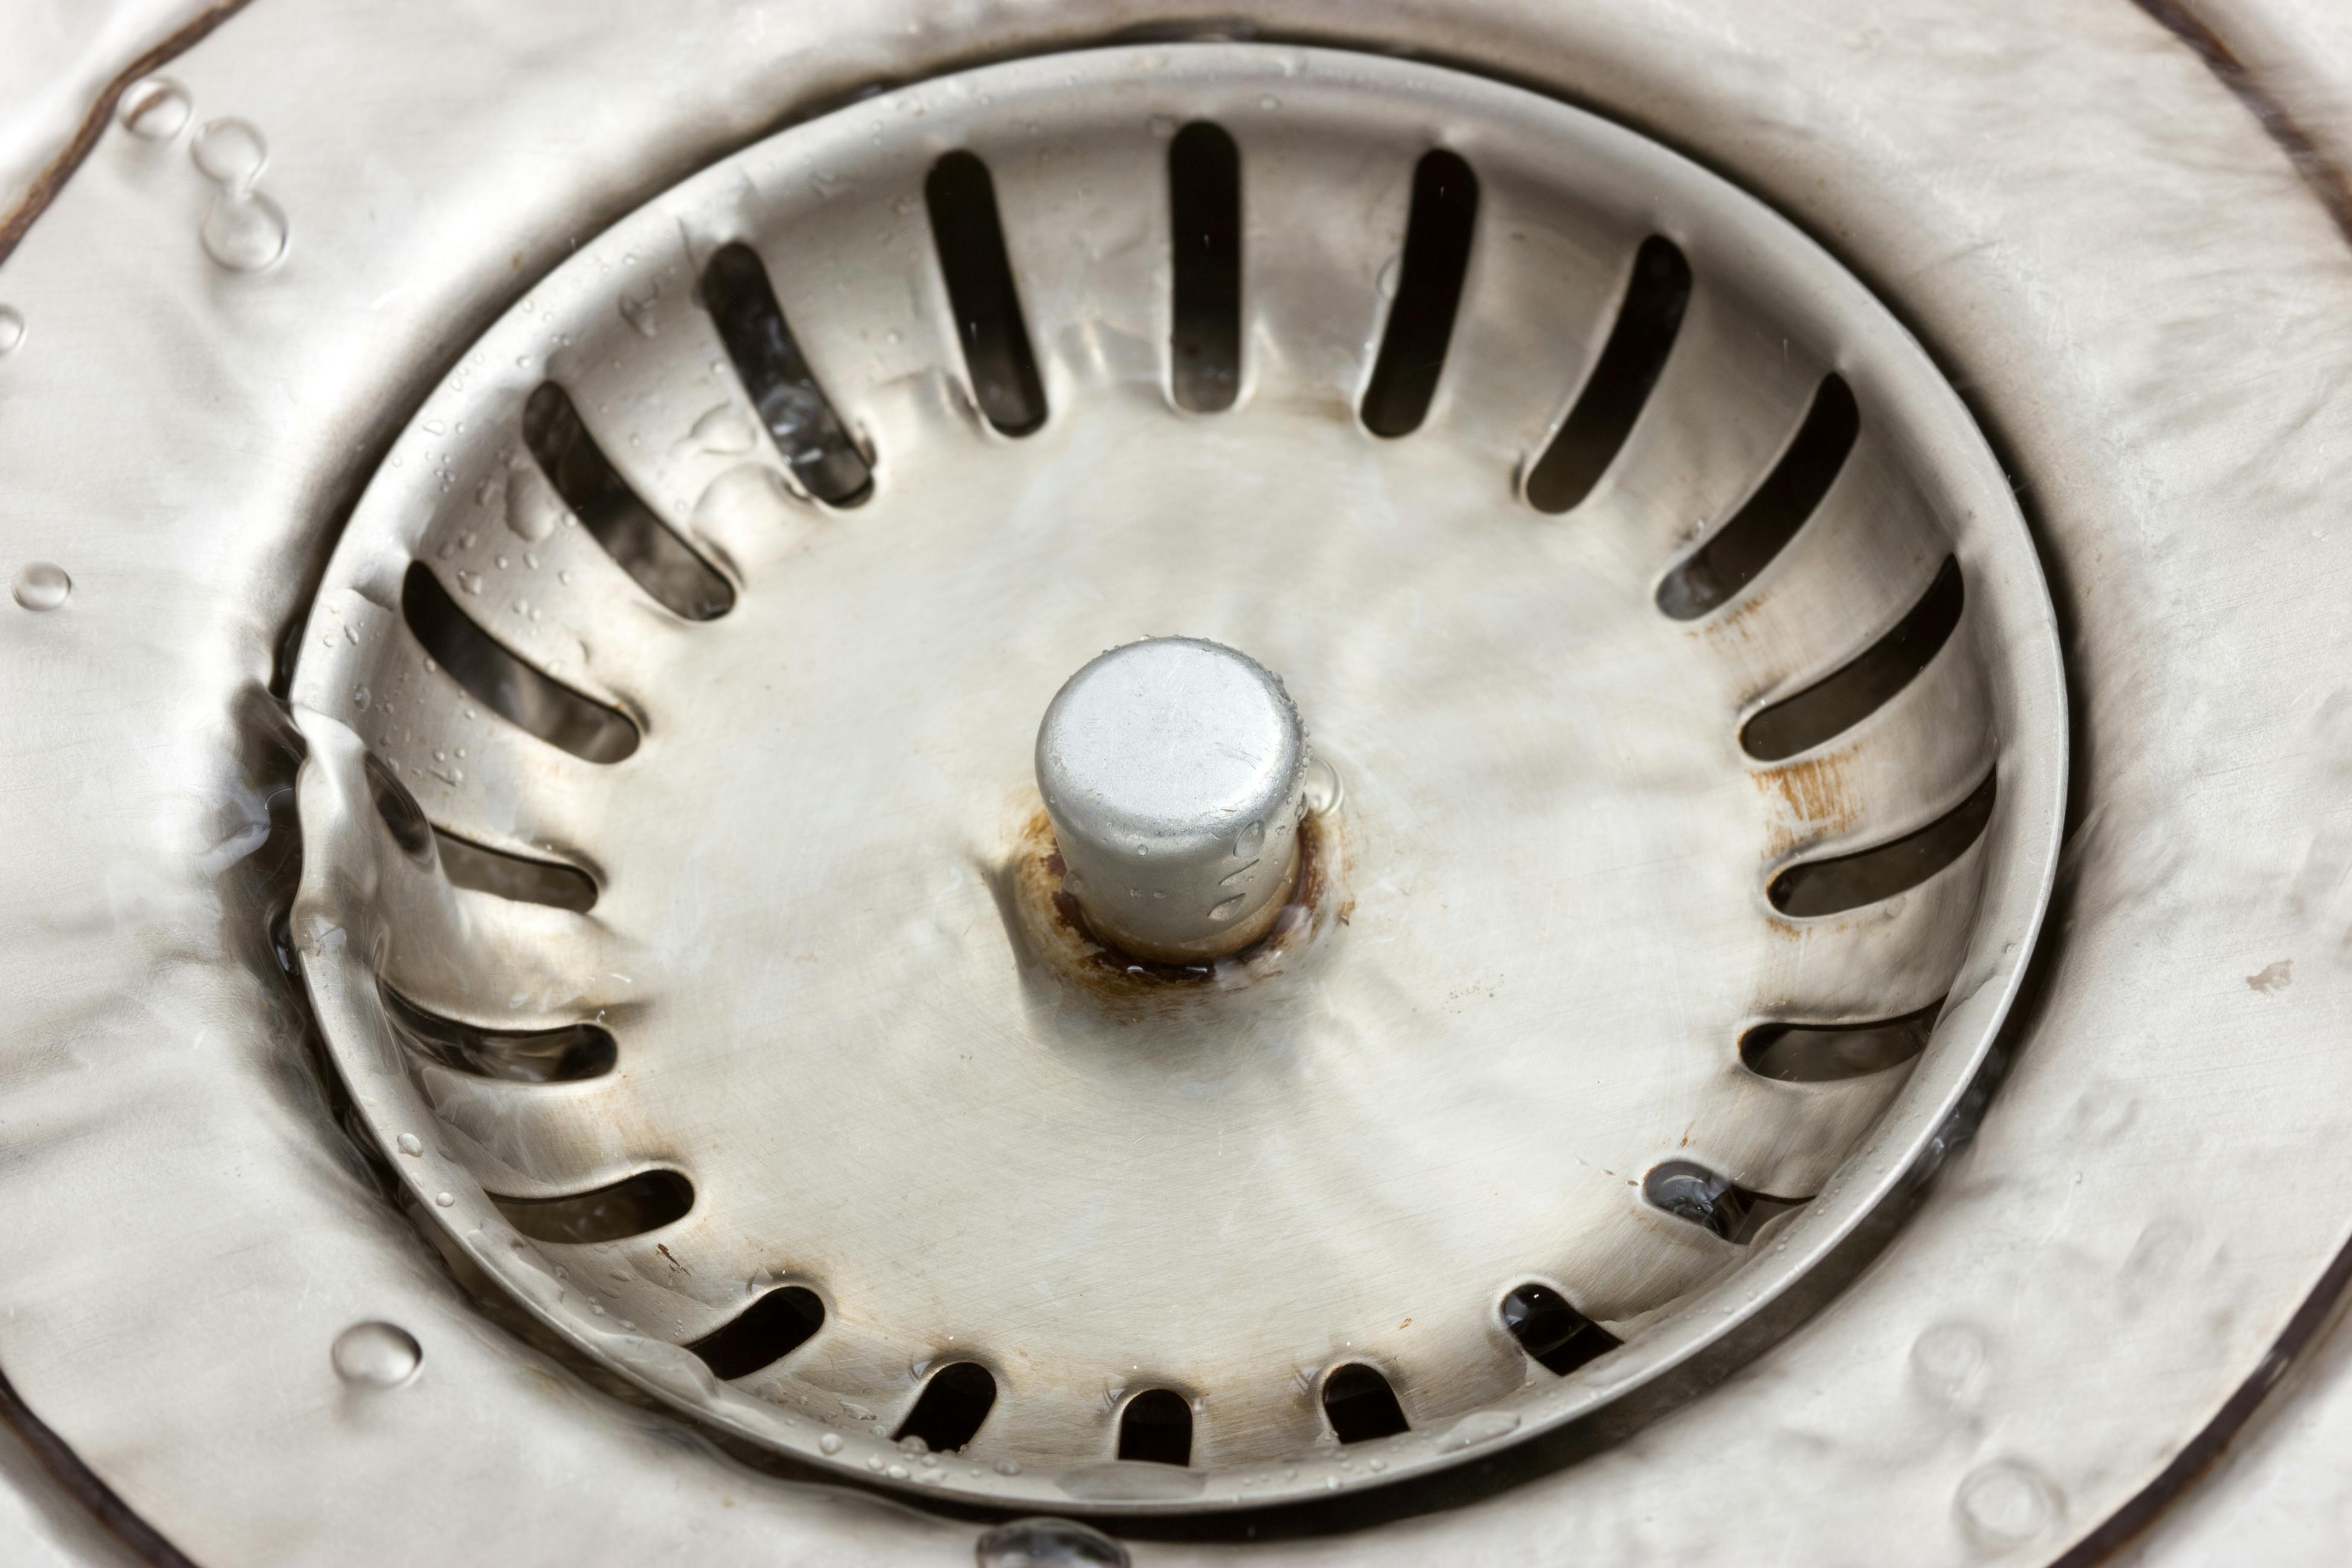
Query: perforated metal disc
column 816, row 1030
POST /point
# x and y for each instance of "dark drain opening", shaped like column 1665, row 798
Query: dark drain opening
column 1157, row 1426
column 1620, row 383
column 1689, row 1191
column 1867, row 876
column 769, row 1330
column 562, row 1055
column 1826, row 1053
column 768, row 360
column 1553, row 1332
column 630, row 1206
column 1204, row 220
column 961, row 198
column 1855, row 690
column 609, row 509
column 1429, row 293
column 953, row 1404
column 515, row 877
column 1361, row 1405
column 504, row 683
column 1757, row 533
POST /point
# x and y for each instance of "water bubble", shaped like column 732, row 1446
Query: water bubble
column 897, row 1472
column 156, row 109
column 230, row 153
column 410, row 1143
column 41, row 586
column 2005, row 1504
column 1950, row 1360
column 1318, row 787
column 376, row 1355
column 637, row 310
column 533, row 505
column 447, row 1200
column 1249, row 841
column 245, row 231
column 830, row 1443
column 12, row 330
column 722, row 429
column 1048, row 1543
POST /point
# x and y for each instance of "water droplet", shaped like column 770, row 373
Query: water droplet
column 1319, row 789
column 2005, row 1504
column 897, row 1472
column 1048, row 1543
column 1227, row 909
column 245, row 231
column 637, row 310
column 12, row 330
column 376, row 1355
column 447, row 1200
column 830, row 1443
column 1249, row 841
column 410, row 1143
column 41, row 586
column 1390, row 271
column 533, row 505
column 360, row 698
column 910, row 1444
column 1268, row 101
column 1008, row 1467
column 230, row 153
column 724, row 430
column 1950, row 1360
column 156, row 109
column 470, row 581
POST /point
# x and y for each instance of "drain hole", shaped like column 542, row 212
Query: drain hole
column 1157, row 1426
column 505, row 684
column 1204, row 213
column 1694, row 1192
column 1552, row 1331
column 742, row 305
column 769, row 1330
column 1847, row 696
column 1746, row 545
column 953, row 1404
column 1620, row 383
column 504, row 876
column 1850, row 881
column 631, row 1207
column 403, row 818
column 962, row 202
column 1428, row 289
column 607, row 508
column 1825, row 1053
column 566, row 1055
column 1361, row 1405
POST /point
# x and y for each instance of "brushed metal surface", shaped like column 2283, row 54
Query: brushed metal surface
column 2107, row 1261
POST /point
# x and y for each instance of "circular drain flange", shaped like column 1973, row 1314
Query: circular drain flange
column 680, row 909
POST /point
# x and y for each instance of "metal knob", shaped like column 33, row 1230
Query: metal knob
column 1172, row 771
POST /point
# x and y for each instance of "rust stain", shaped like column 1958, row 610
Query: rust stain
column 662, row 1248
column 1814, row 801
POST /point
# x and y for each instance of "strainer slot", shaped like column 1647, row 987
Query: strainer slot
column 612, row 513
column 953, row 1404
column 961, row 199
column 505, row 684
column 1553, row 1332
column 515, row 877
column 1361, row 1405
column 1204, row 223
column 564, row 1054
column 1656, row 293
column 1741, row 548
column 1843, row 883
column 768, row 359
column 1826, row 1053
column 1428, row 295
column 630, row 1206
column 766, row 1331
column 1157, row 1428
column 1855, row 690
column 1689, row 1191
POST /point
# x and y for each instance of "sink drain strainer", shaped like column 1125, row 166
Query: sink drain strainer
column 1683, row 760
